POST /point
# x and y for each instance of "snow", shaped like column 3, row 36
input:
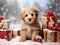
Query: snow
column 15, row 26
column 2, row 8
column 15, row 41
column 4, row 13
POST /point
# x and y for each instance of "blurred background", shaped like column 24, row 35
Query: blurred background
column 11, row 8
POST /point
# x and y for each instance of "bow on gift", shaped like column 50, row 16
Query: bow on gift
column 50, row 14
column 51, row 17
column 2, row 18
column 56, row 28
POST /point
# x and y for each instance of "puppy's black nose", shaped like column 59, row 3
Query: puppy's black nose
column 29, row 19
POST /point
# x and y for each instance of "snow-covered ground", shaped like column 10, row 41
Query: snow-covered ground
column 15, row 41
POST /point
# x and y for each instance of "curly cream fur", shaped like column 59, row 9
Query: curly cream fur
column 29, row 29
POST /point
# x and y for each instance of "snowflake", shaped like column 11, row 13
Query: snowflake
column 2, row 8
column 4, row 13
column 12, row 18
column 6, row 10
column 50, row 6
column 15, row 12
column 4, row 5
column 44, row 8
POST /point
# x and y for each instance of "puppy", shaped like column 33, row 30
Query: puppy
column 29, row 23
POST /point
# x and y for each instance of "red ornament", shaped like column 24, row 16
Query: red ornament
column 38, row 39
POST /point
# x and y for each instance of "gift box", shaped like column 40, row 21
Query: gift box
column 6, row 34
column 45, row 35
column 51, row 35
column 5, row 23
column 1, row 25
column 1, row 33
column 15, row 32
column 44, row 22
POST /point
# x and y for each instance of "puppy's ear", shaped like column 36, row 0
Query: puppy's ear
column 21, row 14
column 36, row 11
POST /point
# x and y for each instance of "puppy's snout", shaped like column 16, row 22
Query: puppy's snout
column 30, row 19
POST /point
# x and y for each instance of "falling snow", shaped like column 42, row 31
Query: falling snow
column 2, row 8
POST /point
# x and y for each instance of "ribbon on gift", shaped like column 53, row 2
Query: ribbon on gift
column 56, row 28
column 52, row 37
column 55, row 36
column 2, row 18
column 50, row 15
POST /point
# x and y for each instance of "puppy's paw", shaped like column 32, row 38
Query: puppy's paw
column 22, row 40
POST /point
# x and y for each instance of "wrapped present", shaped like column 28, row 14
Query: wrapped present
column 15, row 33
column 5, row 23
column 51, row 36
column 1, row 25
column 1, row 33
column 8, row 35
column 38, row 39
column 55, row 28
column 45, row 35
column 51, row 23
column 44, row 21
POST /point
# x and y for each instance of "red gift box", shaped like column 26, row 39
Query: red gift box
column 8, row 35
column 52, row 36
column 3, row 33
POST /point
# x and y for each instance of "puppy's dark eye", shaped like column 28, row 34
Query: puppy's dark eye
column 32, row 14
column 26, row 15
